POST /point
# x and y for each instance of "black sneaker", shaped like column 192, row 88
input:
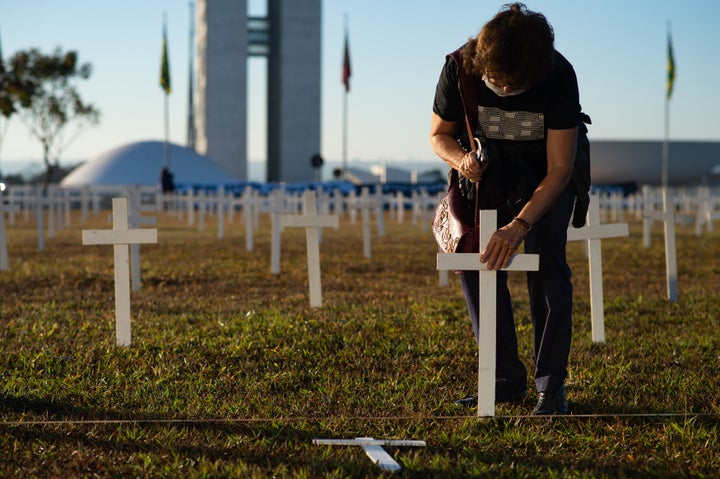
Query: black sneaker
column 467, row 401
column 500, row 397
column 550, row 404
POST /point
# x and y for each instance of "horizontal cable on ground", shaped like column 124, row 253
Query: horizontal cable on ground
column 198, row 421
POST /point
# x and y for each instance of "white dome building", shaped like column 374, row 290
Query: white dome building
column 141, row 163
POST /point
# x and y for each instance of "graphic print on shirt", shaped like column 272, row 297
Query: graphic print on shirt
column 511, row 125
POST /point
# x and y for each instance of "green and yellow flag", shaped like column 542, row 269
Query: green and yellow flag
column 165, row 66
column 671, row 67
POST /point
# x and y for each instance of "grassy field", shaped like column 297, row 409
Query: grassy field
column 232, row 374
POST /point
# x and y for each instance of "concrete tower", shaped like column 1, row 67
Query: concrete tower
column 290, row 38
column 190, row 142
column 220, row 100
column 293, row 89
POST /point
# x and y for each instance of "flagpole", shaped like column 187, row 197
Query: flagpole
column 667, row 197
column 666, row 144
column 167, row 144
column 344, row 134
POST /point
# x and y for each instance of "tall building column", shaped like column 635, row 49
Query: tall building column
column 294, row 99
column 221, row 83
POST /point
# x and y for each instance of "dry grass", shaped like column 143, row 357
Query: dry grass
column 251, row 374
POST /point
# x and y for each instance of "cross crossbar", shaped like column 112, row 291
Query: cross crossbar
column 310, row 221
column 128, row 237
column 471, row 261
column 596, row 231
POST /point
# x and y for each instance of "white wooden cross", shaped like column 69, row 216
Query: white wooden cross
column 338, row 202
column 311, row 221
column 50, row 202
column 67, row 200
column 399, row 206
column 202, row 205
column 379, row 200
column 374, row 449
column 365, row 203
column 367, row 235
column 487, row 306
column 250, row 203
column 10, row 208
column 39, row 202
column 136, row 220
column 706, row 213
column 29, row 193
column 190, row 205
column 276, row 208
column 593, row 232
column 423, row 205
column 221, row 200
column 120, row 237
column 84, row 201
column 667, row 216
column 13, row 200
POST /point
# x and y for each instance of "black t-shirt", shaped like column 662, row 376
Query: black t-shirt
column 514, row 127
column 553, row 103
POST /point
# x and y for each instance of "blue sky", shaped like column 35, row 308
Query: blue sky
column 618, row 48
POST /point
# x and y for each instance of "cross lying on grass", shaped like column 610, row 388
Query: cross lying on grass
column 121, row 237
column 373, row 449
column 593, row 233
column 487, row 306
column 311, row 221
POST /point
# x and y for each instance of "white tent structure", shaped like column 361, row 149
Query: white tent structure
column 141, row 163
column 640, row 161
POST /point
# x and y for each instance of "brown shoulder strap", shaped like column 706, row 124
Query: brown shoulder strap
column 468, row 96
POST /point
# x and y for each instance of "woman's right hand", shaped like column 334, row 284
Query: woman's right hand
column 470, row 167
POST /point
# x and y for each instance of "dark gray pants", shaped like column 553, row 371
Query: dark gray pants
column 550, row 291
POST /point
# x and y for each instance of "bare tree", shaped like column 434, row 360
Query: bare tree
column 56, row 113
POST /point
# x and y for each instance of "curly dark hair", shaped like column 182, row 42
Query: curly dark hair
column 515, row 48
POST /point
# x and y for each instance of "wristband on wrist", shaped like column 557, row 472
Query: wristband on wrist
column 523, row 223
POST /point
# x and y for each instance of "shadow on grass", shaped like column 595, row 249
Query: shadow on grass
column 48, row 409
column 219, row 446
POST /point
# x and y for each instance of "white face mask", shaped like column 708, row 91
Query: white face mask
column 498, row 90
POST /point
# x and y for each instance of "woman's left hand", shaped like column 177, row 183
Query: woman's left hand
column 502, row 245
